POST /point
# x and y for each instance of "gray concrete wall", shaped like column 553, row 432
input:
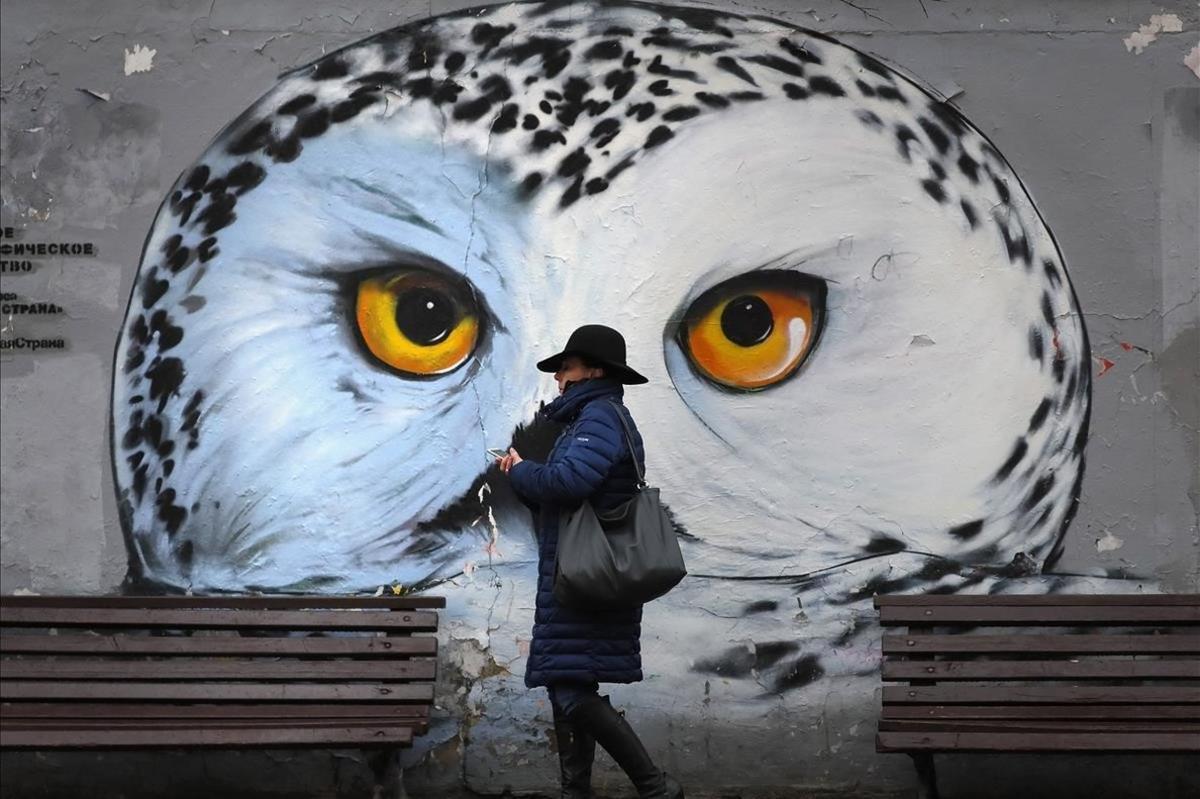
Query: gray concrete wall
column 105, row 107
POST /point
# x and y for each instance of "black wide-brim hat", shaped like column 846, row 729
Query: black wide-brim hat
column 600, row 344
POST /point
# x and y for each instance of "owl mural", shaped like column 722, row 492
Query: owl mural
column 868, row 372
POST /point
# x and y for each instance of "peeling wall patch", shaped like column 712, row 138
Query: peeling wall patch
column 1109, row 542
column 1145, row 35
column 1192, row 60
column 139, row 59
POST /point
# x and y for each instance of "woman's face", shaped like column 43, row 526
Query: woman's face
column 571, row 369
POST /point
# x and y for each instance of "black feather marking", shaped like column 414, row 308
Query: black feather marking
column 934, row 190
column 778, row 64
column 904, row 135
column 1058, row 367
column 1014, row 458
column 883, row 544
column 761, row 606
column 871, row 65
column 795, row 92
column 712, row 100
column 800, row 52
column 800, row 672
column 530, row 184
column 657, row 136
column 768, row 653
column 966, row 531
column 333, row 66
column 1037, row 345
column 969, row 213
column 604, row 50
column 1052, row 274
column 661, row 88
column 1040, row 489
column 820, row 84
column 969, row 167
column 544, row 139
column 574, row 163
column 730, row 65
column 297, row 104
column 936, row 135
column 1040, row 414
column 680, row 113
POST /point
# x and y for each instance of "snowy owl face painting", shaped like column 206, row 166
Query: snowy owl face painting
column 867, row 368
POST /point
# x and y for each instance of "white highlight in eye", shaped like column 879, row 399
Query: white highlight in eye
column 797, row 331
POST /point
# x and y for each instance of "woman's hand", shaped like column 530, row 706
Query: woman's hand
column 508, row 461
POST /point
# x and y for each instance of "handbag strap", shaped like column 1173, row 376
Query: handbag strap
column 637, row 467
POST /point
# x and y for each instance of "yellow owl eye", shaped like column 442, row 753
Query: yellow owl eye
column 417, row 322
column 754, row 331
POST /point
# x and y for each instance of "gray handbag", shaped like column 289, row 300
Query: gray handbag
column 619, row 559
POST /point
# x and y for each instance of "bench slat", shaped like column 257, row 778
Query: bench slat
column 1077, row 712
column 231, row 692
column 1019, row 616
column 1035, row 742
column 1148, row 701
column 209, row 669
column 1040, row 694
column 409, row 621
column 372, row 646
column 255, row 683
column 417, row 725
column 1066, row 644
column 130, row 711
column 1041, row 670
column 229, row 602
column 206, row 738
column 1044, row 600
column 1037, row 725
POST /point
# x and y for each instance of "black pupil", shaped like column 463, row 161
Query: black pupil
column 425, row 316
column 747, row 321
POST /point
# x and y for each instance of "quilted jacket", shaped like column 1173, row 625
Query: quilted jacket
column 590, row 460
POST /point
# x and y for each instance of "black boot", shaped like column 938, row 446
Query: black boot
column 576, row 750
column 610, row 730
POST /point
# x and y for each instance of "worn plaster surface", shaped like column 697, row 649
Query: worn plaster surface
column 1096, row 104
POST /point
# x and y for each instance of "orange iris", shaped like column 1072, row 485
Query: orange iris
column 754, row 331
column 416, row 321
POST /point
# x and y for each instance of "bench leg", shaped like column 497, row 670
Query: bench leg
column 926, row 776
column 389, row 776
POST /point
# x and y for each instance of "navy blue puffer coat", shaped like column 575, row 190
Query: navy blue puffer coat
column 590, row 460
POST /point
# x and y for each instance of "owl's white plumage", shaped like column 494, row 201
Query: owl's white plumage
column 313, row 468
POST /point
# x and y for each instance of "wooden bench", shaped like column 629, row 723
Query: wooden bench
column 216, row 672
column 1104, row 673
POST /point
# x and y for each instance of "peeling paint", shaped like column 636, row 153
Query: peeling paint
column 1146, row 34
column 474, row 662
column 1109, row 542
column 1192, row 60
column 139, row 59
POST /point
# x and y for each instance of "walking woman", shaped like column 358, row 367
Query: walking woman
column 574, row 650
